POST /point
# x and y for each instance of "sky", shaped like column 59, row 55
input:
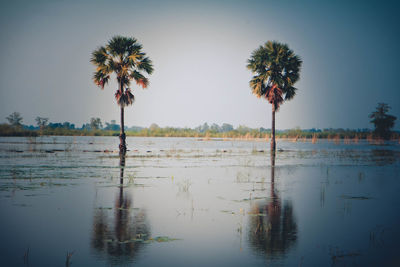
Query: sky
column 199, row 51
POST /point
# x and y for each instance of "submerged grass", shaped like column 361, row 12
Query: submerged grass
column 355, row 197
column 143, row 239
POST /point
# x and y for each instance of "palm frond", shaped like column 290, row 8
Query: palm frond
column 133, row 58
column 124, row 98
column 100, row 79
column 129, row 97
column 146, row 65
column 119, row 45
column 144, row 82
column 99, row 56
column 290, row 93
column 134, row 48
column 140, row 79
column 257, row 86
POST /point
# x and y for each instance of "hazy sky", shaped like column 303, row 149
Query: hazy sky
column 349, row 49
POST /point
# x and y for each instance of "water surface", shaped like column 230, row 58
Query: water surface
column 188, row 202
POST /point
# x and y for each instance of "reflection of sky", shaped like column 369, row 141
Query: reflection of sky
column 199, row 52
column 343, row 204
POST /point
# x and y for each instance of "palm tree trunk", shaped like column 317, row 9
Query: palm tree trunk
column 122, row 137
column 273, row 193
column 273, row 144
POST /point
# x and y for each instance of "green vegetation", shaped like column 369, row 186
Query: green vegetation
column 122, row 56
column 15, row 127
column 383, row 122
column 95, row 123
column 204, row 131
column 41, row 122
column 9, row 130
column 112, row 126
column 15, row 119
column 276, row 70
column 240, row 132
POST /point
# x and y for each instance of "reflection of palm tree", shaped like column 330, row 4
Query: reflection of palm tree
column 272, row 229
column 122, row 240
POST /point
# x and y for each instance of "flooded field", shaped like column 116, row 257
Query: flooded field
column 73, row 201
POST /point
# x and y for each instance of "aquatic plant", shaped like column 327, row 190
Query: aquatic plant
column 314, row 139
column 184, row 186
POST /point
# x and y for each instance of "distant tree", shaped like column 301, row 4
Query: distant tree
column 136, row 128
column 54, row 125
column 41, row 122
column 242, row 129
column 65, row 125
column 205, row 127
column 113, row 126
column 276, row 70
column 226, row 127
column 202, row 128
column 68, row 125
column 154, row 127
column 383, row 122
column 15, row 119
column 95, row 123
column 215, row 127
column 85, row 126
column 124, row 57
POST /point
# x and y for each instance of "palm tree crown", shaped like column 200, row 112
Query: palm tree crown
column 124, row 57
column 276, row 70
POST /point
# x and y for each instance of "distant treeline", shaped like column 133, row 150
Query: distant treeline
column 204, row 131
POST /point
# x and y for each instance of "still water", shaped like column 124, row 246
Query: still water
column 73, row 201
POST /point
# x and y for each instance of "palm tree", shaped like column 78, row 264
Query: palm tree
column 276, row 69
column 124, row 57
